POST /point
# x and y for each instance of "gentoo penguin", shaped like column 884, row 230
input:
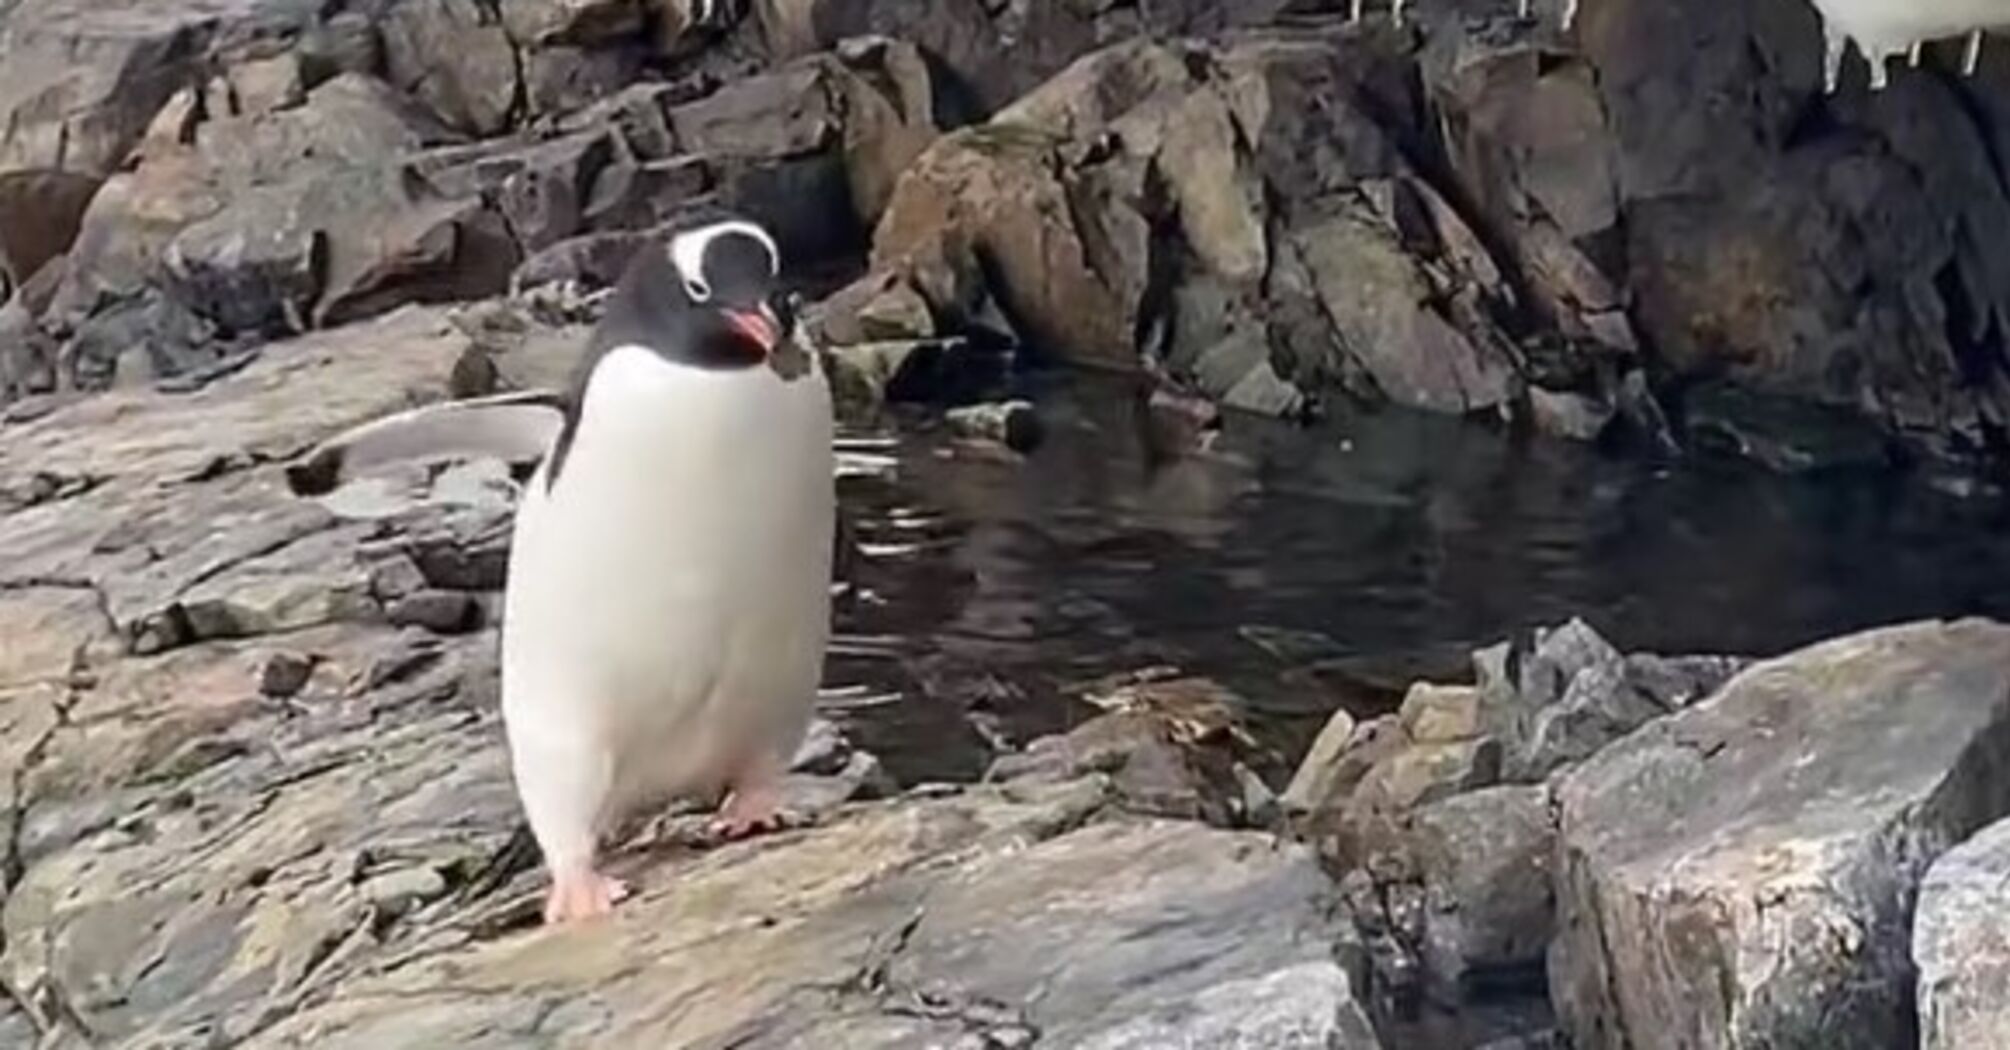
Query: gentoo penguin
column 1881, row 29
column 667, row 607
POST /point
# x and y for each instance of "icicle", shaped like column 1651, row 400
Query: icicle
column 1354, row 10
column 1913, row 55
column 1524, row 12
column 1569, row 14
column 1880, row 77
column 1397, row 9
column 1972, row 56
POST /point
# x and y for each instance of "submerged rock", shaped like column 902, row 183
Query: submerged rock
column 1741, row 873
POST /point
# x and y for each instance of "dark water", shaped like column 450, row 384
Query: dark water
column 1311, row 567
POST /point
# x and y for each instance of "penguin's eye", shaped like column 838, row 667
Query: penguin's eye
column 697, row 289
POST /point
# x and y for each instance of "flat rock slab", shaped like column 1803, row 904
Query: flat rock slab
column 1740, row 874
column 978, row 919
column 1961, row 943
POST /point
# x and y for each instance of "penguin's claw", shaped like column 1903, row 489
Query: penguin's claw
column 582, row 895
column 751, row 810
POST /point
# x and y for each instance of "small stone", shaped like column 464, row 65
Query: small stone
column 398, row 892
column 1259, row 803
column 445, row 612
column 824, row 749
column 1422, row 773
column 284, row 674
column 1441, row 713
column 1325, row 786
column 1574, row 417
column 1013, row 424
column 1313, row 780
column 395, row 577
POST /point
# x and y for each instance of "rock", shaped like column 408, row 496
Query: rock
column 1327, row 778
column 997, row 54
column 1313, row 781
column 1308, row 1006
column 395, row 893
column 457, row 57
column 868, row 376
column 231, row 219
column 40, row 211
column 859, row 907
column 995, row 189
column 544, row 22
column 1757, row 827
column 1408, row 777
column 445, row 612
column 1484, row 861
column 1013, row 424
column 1441, row 714
column 1570, row 693
column 82, row 83
column 1152, row 770
column 811, row 149
column 1272, row 277
column 284, row 674
column 1961, row 944
column 1569, row 415
column 1381, row 301
column 879, row 307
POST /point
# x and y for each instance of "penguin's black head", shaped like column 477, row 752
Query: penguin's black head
column 725, row 278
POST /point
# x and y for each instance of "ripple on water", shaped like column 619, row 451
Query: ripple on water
column 1387, row 545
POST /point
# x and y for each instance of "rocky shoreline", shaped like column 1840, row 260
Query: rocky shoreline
column 251, row 784
column 257, row 797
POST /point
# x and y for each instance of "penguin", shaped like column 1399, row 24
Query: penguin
column 667, row 607
column 1881, row 29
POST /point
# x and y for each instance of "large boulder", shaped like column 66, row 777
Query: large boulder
column 1180, row 204
column 1961, row 944
column 1742, row 873
column 1843, row 250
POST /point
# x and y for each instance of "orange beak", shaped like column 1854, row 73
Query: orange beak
column 758, row 327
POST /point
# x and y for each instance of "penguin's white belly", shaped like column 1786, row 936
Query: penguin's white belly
column 668, row 600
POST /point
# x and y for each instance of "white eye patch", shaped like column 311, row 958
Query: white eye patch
column 687, row 253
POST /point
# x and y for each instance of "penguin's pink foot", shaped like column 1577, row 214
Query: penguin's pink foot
column 755, row 806
column 579, row 894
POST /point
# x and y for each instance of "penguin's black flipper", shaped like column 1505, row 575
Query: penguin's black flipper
column 517, row 427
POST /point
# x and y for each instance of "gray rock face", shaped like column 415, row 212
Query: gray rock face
column 851, row 937
column 1568, row 692
column 1484, row 860
column 1961, row 944
column 1143, row 205
column 1741, row 873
